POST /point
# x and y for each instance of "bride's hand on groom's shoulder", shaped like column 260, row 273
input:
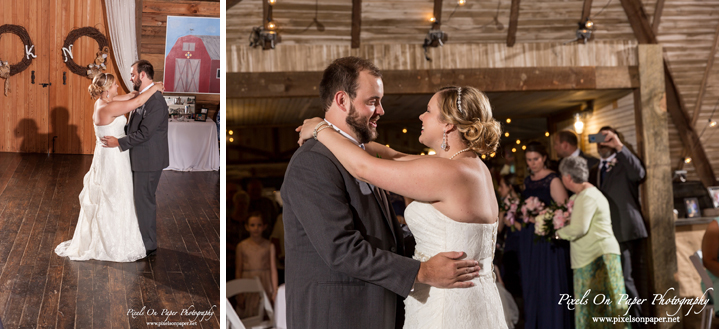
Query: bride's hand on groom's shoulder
column 307, row 129
column 160, row 86
column 448, row 270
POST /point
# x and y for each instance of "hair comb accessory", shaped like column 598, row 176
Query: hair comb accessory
column 459, row 99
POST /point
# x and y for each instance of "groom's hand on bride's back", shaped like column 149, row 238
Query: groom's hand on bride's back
column 448, row 270
column 109, row 141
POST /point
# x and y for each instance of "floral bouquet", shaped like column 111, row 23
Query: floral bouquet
column 509, row 206
column 552, row 219
column 531, row 208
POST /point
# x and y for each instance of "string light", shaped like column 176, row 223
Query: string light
column 432, row 19
column 387, row 145
column 712, row 123
column 230, row 132
column 546, row 134
column 687, row 160
column 524, row 147
column 519, row 142
column 421, row 153
column 431, row 152
column 404, row 131
column 506, row 134
column 484, row 156
column 461, row 2
column 514, row 150
column 272, row 2
column 271, row 25
column 492, row 155
column 509, row 120
column 232, row 139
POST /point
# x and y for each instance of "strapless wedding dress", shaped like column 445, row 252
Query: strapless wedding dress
column 430, row 307
column 107, row 228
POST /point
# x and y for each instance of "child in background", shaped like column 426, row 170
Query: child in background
column 255, row 257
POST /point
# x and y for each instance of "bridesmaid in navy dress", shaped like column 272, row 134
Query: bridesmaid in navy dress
column 544, row 266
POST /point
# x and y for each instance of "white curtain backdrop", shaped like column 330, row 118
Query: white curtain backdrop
column 121, row 18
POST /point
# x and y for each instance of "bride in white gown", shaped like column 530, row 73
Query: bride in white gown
column 455, row 208
column 107, row 228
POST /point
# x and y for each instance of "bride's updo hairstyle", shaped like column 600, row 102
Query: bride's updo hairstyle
column 100, row 83
column 474, row 121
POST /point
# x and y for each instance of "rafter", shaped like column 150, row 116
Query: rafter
column 356, row 22
column 675, row 104
column 586, row 10
column 232, row 3
column 437, row 15
column 513, row 21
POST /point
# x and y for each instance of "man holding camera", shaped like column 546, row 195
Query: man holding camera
column 618, row 176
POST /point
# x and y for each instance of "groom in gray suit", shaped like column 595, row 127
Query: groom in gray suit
column 345, row 259
column 146, row 139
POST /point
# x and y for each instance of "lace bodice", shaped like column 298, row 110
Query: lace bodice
column 476, row 307
column 434, row 233
column 116, row 128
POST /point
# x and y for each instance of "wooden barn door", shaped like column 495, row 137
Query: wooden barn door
column 58, row 117
column 23, row 112
column 187, row 75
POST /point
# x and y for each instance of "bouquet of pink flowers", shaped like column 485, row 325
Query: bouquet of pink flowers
column 509, row 206
column 552, row 219
column 531, row 208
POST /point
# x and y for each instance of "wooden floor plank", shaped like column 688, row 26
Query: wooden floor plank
column 39, row 208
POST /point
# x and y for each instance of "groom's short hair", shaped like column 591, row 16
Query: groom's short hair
column 145, row 66
column 342, row 75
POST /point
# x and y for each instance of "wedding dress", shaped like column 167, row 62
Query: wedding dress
column 107, row 228
column 476, row 307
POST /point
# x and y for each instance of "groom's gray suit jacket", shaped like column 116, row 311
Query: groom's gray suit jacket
column 343, row 251
column 147, row 136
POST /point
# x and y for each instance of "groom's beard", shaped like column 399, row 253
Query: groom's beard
column 360, row 126
column 136, row 84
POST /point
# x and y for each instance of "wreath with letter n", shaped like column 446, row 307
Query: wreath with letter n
column 7, row 70
column 98, row 65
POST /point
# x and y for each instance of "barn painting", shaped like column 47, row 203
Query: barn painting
column 192, row 55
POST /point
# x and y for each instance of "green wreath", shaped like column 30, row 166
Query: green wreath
column 103, row 51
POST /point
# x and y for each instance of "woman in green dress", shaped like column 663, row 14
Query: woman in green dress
column 594, row 251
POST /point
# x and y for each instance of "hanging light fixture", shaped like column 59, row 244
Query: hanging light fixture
column 578, row 125
column 509, row 120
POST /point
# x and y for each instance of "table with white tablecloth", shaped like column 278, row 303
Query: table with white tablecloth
column 193, row 146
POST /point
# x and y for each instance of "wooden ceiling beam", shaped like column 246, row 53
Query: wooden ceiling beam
column 356, row 22
column 232, row 3
column 658, row 9
column 399, row 82
column 586, row 10
column 437, row 15
column 513, row 21
column 675, row 104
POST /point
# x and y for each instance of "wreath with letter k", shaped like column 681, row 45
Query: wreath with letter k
column 6, row 69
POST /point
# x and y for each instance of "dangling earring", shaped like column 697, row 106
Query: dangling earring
column 444, row 141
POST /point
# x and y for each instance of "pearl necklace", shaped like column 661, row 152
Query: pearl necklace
column 465, row 150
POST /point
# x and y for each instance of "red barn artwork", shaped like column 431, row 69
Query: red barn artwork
column 193, row 65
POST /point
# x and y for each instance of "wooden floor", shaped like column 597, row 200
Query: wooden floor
column 39, row 208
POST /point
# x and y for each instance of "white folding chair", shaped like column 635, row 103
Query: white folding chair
column 233, row 321
column 708, row 313
column 239, row 286
column 280, row 308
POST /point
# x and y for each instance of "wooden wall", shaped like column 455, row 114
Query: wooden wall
column 154, row 25
column 32, row 116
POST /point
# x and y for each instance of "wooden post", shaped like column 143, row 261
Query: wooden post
column 513, row 21
column 656, row 191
